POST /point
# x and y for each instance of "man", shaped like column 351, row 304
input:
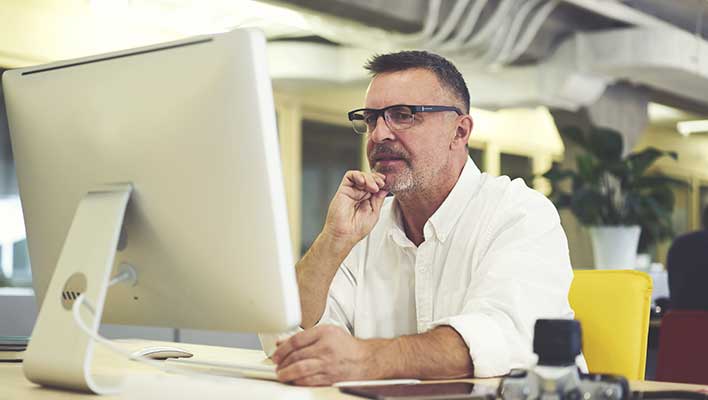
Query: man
column 445, row 279
column 687, row 265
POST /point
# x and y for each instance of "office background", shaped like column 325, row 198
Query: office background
column 317, row 77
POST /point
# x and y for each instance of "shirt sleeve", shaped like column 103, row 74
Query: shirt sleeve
column 339, row 309
column 524, row 274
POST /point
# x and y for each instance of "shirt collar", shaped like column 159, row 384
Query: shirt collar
column 449, row 212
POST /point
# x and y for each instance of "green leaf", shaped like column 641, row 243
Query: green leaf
column 562, row 200
column 575, row 135
column 586, row 168
column 556, row 174
column 640, row 162
column 606, row 144
column 584, row 206
column 664, row 197
column 654, row 181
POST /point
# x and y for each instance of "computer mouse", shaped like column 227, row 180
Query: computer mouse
column 161, row 353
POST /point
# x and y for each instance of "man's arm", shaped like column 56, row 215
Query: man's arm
column 437, row 354
column 315, row 273
column 352, row 214
column 328, row 354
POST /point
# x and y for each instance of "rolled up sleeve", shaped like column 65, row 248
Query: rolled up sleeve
column 524, row 275
column 339, row 309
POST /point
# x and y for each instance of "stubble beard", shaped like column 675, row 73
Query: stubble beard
column 399, row 182
column 409, row 180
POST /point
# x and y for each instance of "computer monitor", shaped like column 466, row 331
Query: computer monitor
column 185, row 134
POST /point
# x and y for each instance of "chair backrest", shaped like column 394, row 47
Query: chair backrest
column 683, row 347
column 613, row 309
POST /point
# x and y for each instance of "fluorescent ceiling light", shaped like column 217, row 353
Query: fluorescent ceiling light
column 192, row 17
column 659, row 112
column 688, row 127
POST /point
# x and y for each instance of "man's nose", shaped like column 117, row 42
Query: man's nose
column 381, row 131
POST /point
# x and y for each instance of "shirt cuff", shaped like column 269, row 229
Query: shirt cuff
column 488, row 348
column 269, row 340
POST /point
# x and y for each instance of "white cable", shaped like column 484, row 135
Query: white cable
column 467, row 26
column 451, row 21
column 93, row 335
column 126, row 273
column 531, row 31
column 493, row 46
column 516, row 25
column 490, row 26
column 431, row 22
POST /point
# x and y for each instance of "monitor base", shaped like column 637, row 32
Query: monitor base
column 58, row 355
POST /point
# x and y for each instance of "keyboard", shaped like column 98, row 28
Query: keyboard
column 264, row 369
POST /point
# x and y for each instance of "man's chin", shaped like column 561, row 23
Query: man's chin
column 394, row 186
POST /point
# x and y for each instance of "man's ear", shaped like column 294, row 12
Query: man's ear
column 463, row 130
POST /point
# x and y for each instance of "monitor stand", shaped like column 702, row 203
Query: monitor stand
column 58, row 355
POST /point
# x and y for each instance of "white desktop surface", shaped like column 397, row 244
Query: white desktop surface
column 146, row 381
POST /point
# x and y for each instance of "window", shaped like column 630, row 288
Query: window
column 515, row 166
column 328, row 151
column 477, row 156
column 14, row 261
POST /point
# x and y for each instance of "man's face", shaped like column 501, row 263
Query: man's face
column 410, row 159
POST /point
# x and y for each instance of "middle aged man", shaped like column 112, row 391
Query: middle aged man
column 445, row 279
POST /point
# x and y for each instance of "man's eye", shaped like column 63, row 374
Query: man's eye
column 401, row 116
column 370, row 119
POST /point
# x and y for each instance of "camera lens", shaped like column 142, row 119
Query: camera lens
column 557, row 341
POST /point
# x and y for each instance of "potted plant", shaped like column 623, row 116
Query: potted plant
column 614, row 197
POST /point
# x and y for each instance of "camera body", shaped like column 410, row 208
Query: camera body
column 556, row 377
column 554, row 383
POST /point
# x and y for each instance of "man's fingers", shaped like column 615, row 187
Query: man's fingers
column 363, row 181
column 356, row 178
column 308, row 352
column 314, row 380
column 295, row 342
column 300, row 370
column 371, row 185
column 378, row 200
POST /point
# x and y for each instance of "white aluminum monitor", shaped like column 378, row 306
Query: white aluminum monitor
column 190, row 127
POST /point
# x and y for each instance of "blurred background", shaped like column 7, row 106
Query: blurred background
column 555, row 86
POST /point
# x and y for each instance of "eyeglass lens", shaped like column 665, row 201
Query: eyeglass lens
column 396, row 118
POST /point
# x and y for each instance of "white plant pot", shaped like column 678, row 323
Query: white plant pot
column 615, row 247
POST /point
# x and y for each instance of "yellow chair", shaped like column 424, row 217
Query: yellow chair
column 613, row 309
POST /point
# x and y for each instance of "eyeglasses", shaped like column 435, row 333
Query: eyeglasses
column 397, row 117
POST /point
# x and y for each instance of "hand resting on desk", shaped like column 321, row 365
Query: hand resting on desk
column 327, row 354
column 321, row 356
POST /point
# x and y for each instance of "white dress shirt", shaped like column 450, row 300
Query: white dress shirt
column 494, row 259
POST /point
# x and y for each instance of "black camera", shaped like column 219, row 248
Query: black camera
column 556, row 377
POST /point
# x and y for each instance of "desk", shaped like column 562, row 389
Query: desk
column 13, row 384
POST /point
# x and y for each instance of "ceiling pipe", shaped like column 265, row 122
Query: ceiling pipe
column 467, row 26
column 531, row 31
column 514, row 31
column 620, row 12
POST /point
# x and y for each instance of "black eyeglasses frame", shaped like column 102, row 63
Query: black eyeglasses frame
column 379, row 112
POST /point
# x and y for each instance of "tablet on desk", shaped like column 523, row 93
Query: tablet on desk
column 430, row 391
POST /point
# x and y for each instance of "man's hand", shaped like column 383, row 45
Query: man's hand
column 322, row 356
column 355, row 208
column 352, row 214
